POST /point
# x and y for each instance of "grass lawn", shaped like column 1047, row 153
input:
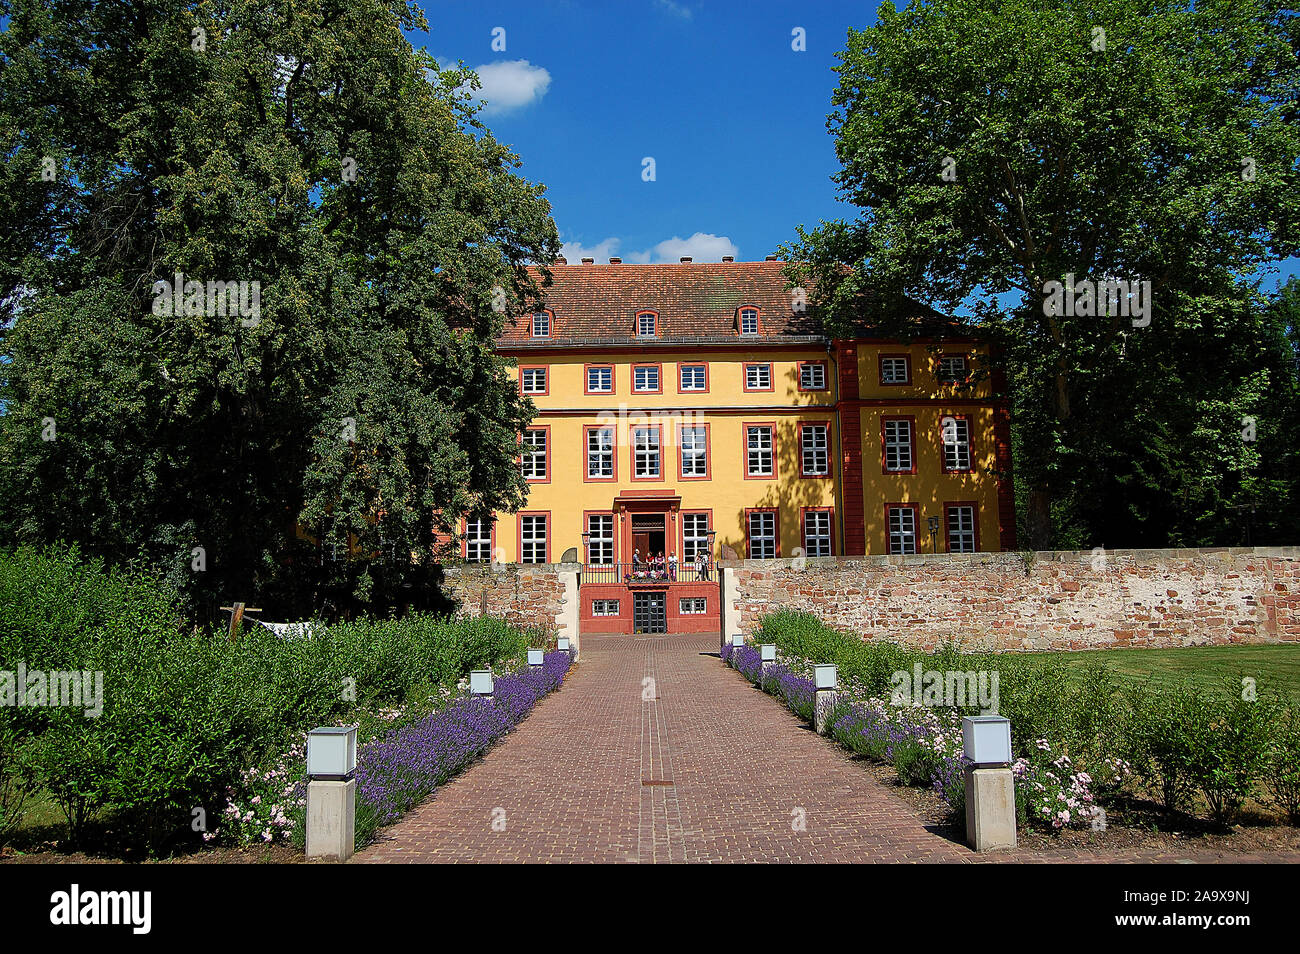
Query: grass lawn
column 1274, row 668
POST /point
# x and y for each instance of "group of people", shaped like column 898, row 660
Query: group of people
column 655, row 567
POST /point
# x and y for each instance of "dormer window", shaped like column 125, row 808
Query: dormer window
column 647, row 324
column 748, row 321
column 541, row 324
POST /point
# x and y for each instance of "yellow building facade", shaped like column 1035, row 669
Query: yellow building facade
column 691, row 412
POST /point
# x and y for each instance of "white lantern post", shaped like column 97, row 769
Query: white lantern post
column 331, row 792
column 535, row 658
column 826, row 682
column 990, row 787
column 767, row 653
column 480, row 683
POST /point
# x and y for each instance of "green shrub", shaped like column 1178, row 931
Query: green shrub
column 185, row 711
column 1282, row 770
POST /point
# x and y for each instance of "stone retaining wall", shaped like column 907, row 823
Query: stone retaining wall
column 544, row 594
column 1048, row 600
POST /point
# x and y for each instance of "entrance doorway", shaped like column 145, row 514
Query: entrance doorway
column 650, row 612
column 648, row 535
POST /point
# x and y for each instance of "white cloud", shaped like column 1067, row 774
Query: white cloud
column 702, row 247
column 676, row 9
column 511, row 84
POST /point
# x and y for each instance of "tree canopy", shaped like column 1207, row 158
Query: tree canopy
column 345, row 239
column 995, row 147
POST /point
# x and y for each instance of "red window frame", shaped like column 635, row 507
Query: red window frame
column 519, row 534
column 586, row 381
column 830, row 450
column 586, row 525
column 803, row 526
column 708, row 453
column 636, row 325
column 771, row 377
column 744, row 450
column 970, row 446
column 776, row 529
column 826, row 377
column 464, row 543
column 758, row 320
column 550, row 323
column 547, row 455
column 975, row 508
column 907, row 359
column 658, row 365
column 546, row 371
column 586, row 474
column 916, row 525
column 681, row 534
column 911, row 419
column 631, row 451
column 693, row 364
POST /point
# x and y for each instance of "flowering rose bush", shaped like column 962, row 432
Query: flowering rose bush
column 267, row 804
column 1051, row 791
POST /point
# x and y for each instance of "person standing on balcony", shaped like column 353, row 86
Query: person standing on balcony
column 672, row 566
column 701, row 565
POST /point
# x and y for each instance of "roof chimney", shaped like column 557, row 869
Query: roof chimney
column 770, row 258
column 686, row 259
column 588, row 261
column 728, row 258
column 561, row 261
column 616, row 261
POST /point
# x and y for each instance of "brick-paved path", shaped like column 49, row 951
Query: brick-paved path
column 586, row 778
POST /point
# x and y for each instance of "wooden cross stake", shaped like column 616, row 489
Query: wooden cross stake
column 237, row 612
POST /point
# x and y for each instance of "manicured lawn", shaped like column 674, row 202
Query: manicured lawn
column 1272, row 667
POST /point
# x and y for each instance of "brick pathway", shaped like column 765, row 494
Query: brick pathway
column 654, row 751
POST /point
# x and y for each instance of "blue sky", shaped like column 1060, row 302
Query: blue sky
column 733, row 116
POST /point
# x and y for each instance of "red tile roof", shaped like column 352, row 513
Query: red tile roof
column 599, row 303
column 694, row 300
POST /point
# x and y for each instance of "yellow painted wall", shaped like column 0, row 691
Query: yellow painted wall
column 726, row 407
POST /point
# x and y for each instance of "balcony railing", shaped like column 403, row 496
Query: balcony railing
column 645, row 574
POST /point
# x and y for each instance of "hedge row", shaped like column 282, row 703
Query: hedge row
column 185, row 711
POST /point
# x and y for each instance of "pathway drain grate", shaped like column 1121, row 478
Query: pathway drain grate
column 656, row 781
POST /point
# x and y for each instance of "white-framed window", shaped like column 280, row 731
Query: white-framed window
column 695, row 451
column 604, row 607
column 955, row 432
column 647, row 457
column 961, row 529
column 902, row 529
column 695, row 536
column 748, row 321
column 894, row 370
column 478, row 539
column 600, row 379
column 693, row 605
column 812, row 376
column 645, row 377
column 541, row 324
column 761, row 535
column 817, row 533
column 534, row 454
column 600, row 538
column 694, row 377
column 600, row 453
column 899, row 456
column 647, row 324
column 814, row 450
column 532, row 538
column 534, row 380
column 952, row 369
column 758, row 377
column 759, row 461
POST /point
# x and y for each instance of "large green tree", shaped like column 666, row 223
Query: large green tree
column 303, row 146
column 996, row 146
